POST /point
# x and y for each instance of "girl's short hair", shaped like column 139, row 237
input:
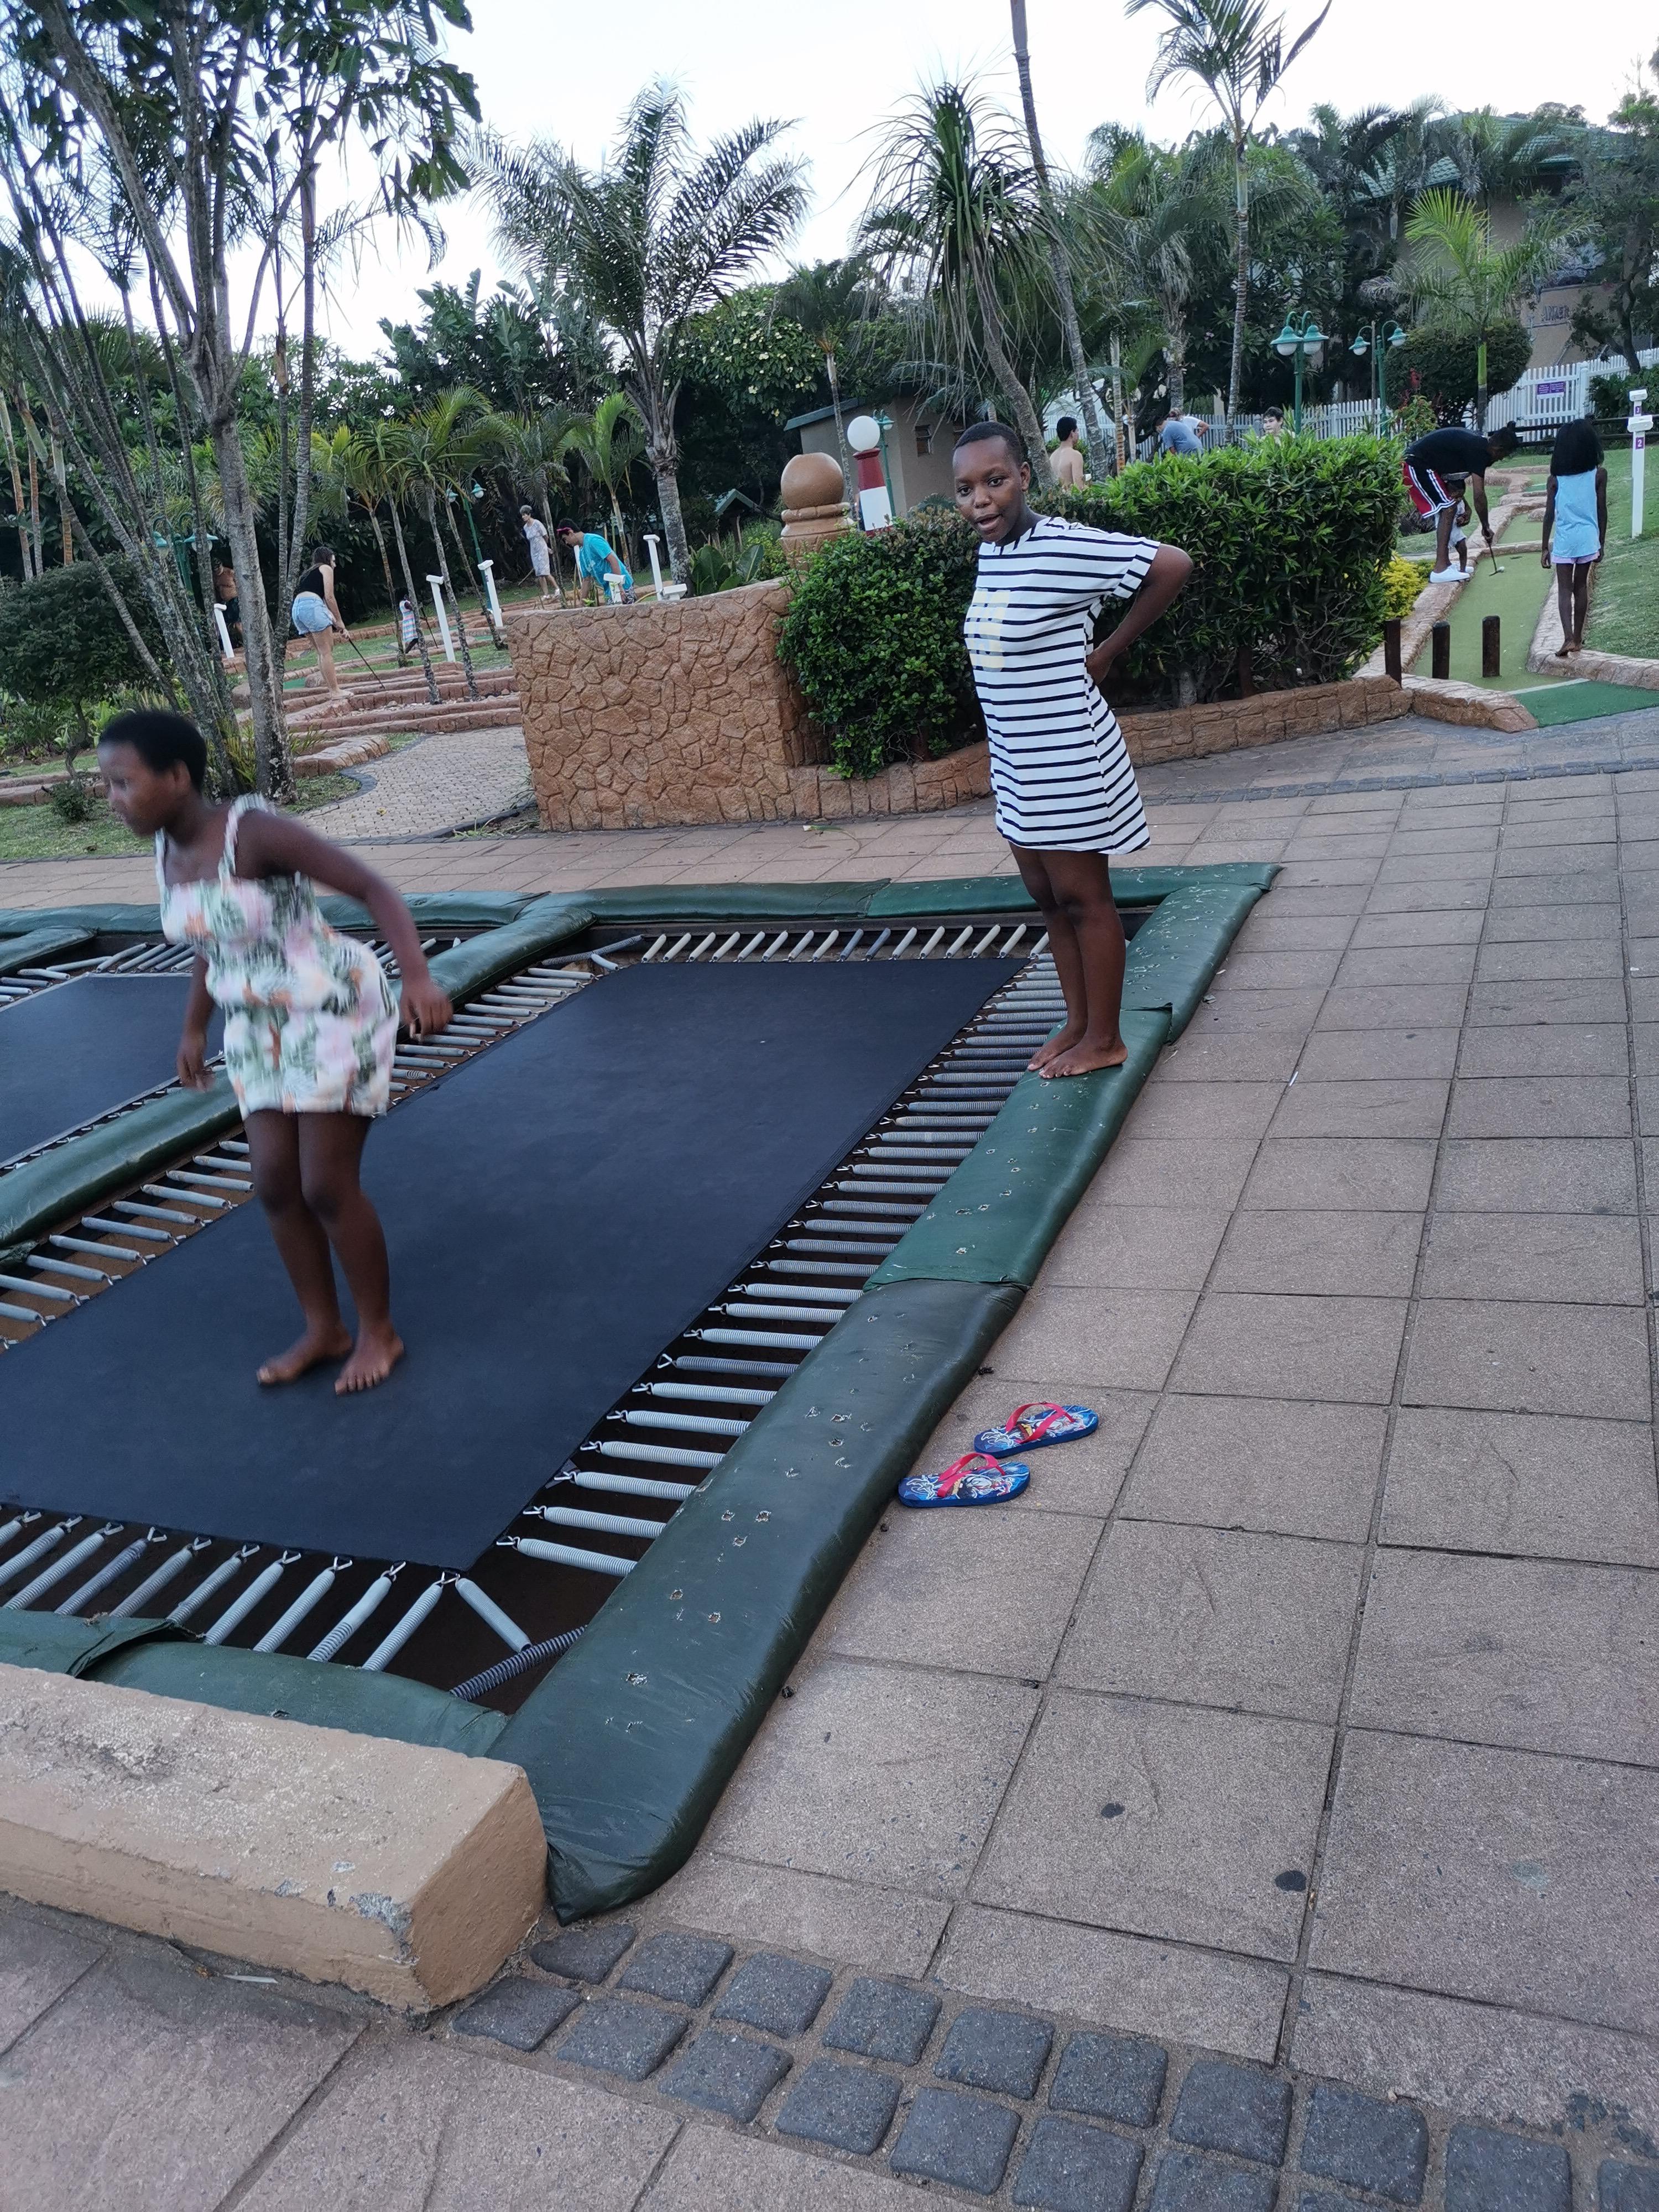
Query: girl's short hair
column 1576, row 450
column 977, row 433
column 161, row 739
column 321, row 553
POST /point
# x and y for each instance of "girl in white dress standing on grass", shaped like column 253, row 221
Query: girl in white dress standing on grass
column 1065, row 794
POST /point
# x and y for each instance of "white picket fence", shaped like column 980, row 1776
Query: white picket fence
column 1560, row 394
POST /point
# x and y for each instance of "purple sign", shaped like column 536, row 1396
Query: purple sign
column 1555, row 389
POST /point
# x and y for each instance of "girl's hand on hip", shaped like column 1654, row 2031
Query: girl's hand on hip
column 425, row 1008
column 1098, row 663
column 192, row 1060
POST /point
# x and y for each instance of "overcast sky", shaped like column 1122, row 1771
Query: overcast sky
column 568, row 70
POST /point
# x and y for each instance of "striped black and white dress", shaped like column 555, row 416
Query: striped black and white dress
column 1058, row 769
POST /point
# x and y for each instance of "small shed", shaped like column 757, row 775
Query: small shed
column 916, row 448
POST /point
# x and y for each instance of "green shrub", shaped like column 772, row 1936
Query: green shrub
column 1402, row 582
column 71, row 799
column 716, row 567
column 1289, row 540
column 63, row 647
column 1610, row 394
column 1442, row 367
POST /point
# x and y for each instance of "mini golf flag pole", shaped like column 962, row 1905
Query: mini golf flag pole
column 437, row 584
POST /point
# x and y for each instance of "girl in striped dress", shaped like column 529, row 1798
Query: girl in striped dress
column 1065, row 794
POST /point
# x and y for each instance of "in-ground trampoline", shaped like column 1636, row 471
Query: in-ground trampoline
column 700, row 1216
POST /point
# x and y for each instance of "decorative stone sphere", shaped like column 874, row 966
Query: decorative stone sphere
column 813, row 480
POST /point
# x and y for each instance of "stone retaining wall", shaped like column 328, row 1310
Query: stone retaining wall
column 1232, row 724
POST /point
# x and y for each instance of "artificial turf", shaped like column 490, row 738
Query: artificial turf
column 1624, row 608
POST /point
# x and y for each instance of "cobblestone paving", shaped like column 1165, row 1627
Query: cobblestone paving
column 449, row 779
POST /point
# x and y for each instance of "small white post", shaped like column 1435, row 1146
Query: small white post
column 487, row 570
column 614, row 587
column 1638, row 426
column 651, row 545
column 437, row 584
column 226, row 649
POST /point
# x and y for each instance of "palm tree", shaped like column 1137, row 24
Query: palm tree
column 434, row 452
column 380, row 475
column 828, row 300
column 532, row 449
column 955, row 212
column 1083, row 383
column 1459, row 283
column 1150, row 216
column 1236, row 52
column 654, row 238
column 608, row 443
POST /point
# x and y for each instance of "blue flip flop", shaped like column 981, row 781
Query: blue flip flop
column 972, row 1480
column 1028, row 1428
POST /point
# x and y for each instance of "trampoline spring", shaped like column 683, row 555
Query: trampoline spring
column 903, row 945
column 850, row 1270
column 989, row 939
column 220, row 1181
column 953, row 950
column 653, row 949
column 349, row 1623
column 657, row 1454
column 698, row 951
column 50, row 1576
column 598, row 1524
column 851, row 945
column 148, row 1213
column 508, row 1670
column 236, row 1145
column 706, row 1425
column 173, row 1564
column 213, row 1583
column 756, row 939
column 677, row 947
column 853, row 1251
column 396, row 1636
column 796, row 950
column 239, row 1609
column 708, row 1394
column 782, row 937
column 759, row 1338
column 21, row 1313
column 697, row 1363
column 309, row 1598
column 626, row 1486
column 47, row 1542
column 721, row 951
column 905, row 1189
column 1014, row 939
column 622, row 944
column 127, row 1229
column 189, row 1198
column 829, row 942
column 952, row 1139
column 926, row 948
column 86, row 1244
column 107, row 1574
column 9, row 1529
column 566, row 1555
column 491, row 1613
column 745, row 1310
column 872, row 1212
column 879, row 942
column 824, row 1297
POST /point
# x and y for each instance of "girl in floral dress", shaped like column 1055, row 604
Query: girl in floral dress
column 311, row 1023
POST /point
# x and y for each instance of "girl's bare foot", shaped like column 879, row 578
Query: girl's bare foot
column 372, row 1360
column 1084, row 1059
column 309, row 1350
column 1051, row 1047
column 1564, row 648
column 1575, row 645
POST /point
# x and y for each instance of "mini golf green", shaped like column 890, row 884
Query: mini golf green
column 1514, row 590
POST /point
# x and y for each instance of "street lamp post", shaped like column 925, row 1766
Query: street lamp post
column 1300, row 336
column 1391, row 335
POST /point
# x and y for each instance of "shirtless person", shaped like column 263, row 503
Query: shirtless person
column 1065, row 460
column 1431, row 470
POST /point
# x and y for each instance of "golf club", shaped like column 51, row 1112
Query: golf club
column 366, row 662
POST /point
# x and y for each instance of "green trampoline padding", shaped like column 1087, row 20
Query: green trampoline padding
column 629, row 1740
column 1583, row 701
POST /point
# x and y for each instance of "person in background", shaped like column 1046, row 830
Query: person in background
column 595, row 558
column 1434, row 464
column 1182, row 432
column 1575, row 533
column 1458, row 541
column 541, row 559
column 224, row 590
column 316, row 613
column 1273, row 423
column 1066, row 461
column 1065, row 794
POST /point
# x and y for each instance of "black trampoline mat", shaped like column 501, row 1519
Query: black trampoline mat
column 558, row 1211
column 77, row 1050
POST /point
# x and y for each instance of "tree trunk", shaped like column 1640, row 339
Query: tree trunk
column 432, row 691
column 673, row 522
column 847, row 478
column 386, row 570
column 1094, row 434
column 6, row 432
column 1174, row 360
column 31, row 439
column 65, row 524
column 1241, row 276
column 273, row 761
column 1480, row 385
column 1026, row 418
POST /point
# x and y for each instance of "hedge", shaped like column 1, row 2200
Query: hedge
column 1289, row 538
column 1442, row 367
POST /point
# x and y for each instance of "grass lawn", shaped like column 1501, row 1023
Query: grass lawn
column 1625, row 611
column 37, row 833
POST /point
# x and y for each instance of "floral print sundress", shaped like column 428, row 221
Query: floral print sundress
column 311, row 1023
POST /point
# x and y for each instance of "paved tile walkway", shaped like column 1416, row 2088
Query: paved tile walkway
column 444, row 781
column 1301, row 1727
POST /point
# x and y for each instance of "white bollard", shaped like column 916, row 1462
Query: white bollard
column 437, row 584
column 651, row 544
column 226, row 650
column 487, row 570
column 1638, row 426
